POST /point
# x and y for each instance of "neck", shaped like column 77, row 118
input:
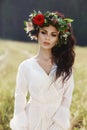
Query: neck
column 44, row 54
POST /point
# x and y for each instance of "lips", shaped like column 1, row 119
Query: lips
column 46, row 43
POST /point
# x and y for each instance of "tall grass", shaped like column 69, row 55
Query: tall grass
column 79, row 102
column 16, row 52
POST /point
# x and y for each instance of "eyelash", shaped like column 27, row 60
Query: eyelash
column 51, row 34
column 54, row 35
column 43, row 32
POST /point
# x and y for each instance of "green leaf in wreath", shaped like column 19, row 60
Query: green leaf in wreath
column 25, row 29
column 69, row 20
column 25, row 23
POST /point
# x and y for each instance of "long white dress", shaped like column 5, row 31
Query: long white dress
column 49, row 103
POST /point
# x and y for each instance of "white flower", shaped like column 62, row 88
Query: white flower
column 29, row 27
column 65, row 36
column 33, row 37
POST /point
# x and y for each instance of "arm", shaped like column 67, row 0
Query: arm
column 62, row 116
column 19, row 121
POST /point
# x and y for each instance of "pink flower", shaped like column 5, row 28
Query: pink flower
column 69, row 24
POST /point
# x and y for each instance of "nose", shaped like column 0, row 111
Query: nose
column 47, row 37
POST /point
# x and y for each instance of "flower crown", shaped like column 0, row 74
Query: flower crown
column 37, row 20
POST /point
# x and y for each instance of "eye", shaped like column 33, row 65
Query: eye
column 43, row 32
column 54, row 35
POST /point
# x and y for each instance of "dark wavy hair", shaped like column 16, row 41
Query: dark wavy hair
column 64, row 54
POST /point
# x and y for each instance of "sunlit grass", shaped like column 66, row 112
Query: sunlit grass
column 16, row 52
column 79, row 102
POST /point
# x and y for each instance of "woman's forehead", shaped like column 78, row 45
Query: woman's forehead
column 49, row 28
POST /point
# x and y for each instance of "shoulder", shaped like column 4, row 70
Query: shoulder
column 26, row 63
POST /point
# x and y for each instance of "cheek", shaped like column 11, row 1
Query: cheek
column 55, row 41
column 39, row 36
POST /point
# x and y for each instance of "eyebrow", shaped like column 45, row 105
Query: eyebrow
column 46, row 31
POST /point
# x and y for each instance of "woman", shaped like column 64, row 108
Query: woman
column 47, row 76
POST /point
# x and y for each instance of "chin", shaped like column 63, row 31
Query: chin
column 47, row 47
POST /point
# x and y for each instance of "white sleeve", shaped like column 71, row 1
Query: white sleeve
column 62, row 115
column 19, row 120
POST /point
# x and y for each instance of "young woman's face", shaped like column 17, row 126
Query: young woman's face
column 48, row 37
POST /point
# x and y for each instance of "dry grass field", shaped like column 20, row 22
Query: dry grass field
column 12, row 53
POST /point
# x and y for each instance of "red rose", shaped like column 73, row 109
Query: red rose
column 38, row 19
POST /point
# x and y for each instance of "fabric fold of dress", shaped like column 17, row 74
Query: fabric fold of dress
column 49, row 103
